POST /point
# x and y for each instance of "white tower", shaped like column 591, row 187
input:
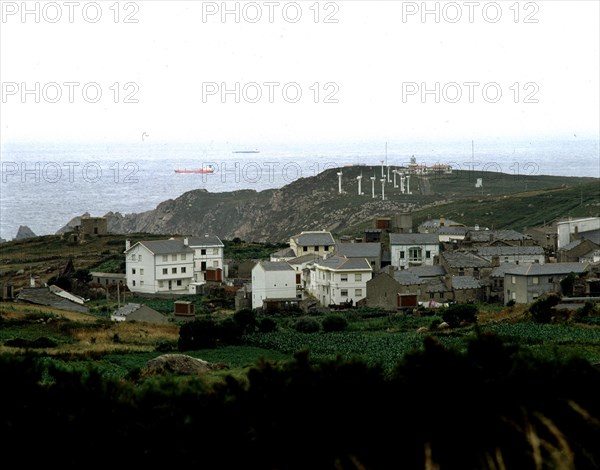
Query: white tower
column 382, row 169
column 359, row 178
column 383, row 180
column 402, row 181
column 395, row 172
column 340, row 182
column 373, row 185
column 407, row 184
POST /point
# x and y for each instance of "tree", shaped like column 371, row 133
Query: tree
column 457, row 314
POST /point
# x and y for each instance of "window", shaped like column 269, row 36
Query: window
column 183, row 269
column 133, row 283
column 513, row 279
column 215, row 251
column 514, row 296
column 304, row 248
column 183, row 257
column 141, row 283
column 402, row 255
column 165, row 271
column 415, row 254
column 358, row 277
column 173, row 270
column 203, row 251
column 132, row 257
column 441, row 295
column 536, row 280
column 173, row 257
column 161, row 283
column 178, row 282
column 431, row 295
column 132, row 270
column 141, row 272
column 344, row 292
column 326, row 248
column 316, row 249
column 165, row 258
column 428, row 254
column 344, row 277
column 550, row 279
column 215, row 264
column 139, row 257
column 358, row 292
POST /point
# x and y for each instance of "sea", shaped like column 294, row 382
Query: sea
column 45, row 185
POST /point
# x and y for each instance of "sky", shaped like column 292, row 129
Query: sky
column 298, row 72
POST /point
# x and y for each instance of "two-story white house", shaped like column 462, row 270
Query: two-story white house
column 413, row 249
column 272, row 281
column 319, row 243
column 159, row 266
column 208, row 256
column 337, row 279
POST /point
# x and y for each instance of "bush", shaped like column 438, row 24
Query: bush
column 511, row 303
column 198, row 334
column 541, row 310
column 267, row 325
column 588, row 309
column 457, row 314
column 307, row 325
column 246, row 319
column 334, row 323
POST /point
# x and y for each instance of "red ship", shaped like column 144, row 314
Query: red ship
column 204, row 169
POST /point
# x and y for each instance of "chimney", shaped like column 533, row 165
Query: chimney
column 127, row 245
column 442, row 221
column 186, row 241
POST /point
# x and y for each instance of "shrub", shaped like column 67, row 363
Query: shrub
column 198, row 334
column 334, row 323
column 246, row 319
column 267, row 325
column 541, row 309
column 511, row 303
column 588, row 309
column 307, row 325
column 457, row 314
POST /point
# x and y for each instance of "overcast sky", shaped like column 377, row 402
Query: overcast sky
column 365, row 63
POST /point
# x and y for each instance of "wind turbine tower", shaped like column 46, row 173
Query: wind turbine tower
column 340, row 182
column 373, row 185
column 359, row 178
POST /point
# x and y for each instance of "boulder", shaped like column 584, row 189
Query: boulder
column 176, row 364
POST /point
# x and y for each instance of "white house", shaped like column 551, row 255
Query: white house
column 208, row 255
column 336, row 280
column 272, row 281
column 320, row 243
column 159, row 266
column 413, row 249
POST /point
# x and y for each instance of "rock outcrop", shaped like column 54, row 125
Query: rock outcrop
column 24, row 232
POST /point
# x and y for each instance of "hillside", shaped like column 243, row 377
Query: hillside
column 314, row 203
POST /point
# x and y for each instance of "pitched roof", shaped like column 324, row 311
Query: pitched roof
column 591, row 235
column 164, row 247
column 414, row 239
column 452, row 230
column 358, row 250
column 206, row 240
column 464, row 259
column 510, row 250
column 570, row 246
column 428, row 271
column 276, row 266
column 341, row 263
column 305, row 259
column 406, row 278
column 499, row 271
column 435, row 285
column 465, row 282
column 284, row 253
column 503, row 234
column 535, row 269
column 314, row 239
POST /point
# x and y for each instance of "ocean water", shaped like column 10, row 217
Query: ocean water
column 43, row 186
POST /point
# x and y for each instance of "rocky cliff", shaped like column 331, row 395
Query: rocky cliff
column 312, row 203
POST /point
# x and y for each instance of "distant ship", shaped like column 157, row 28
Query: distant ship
column 247, row 151
column 204, row 169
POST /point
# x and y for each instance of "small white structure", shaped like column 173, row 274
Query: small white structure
column 340, row 174
column 373, row 186
column 359, row 178
column 272, row 281
column 383, row 189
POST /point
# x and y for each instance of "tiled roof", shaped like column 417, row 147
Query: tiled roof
column 164, row 247
column 205, row 240
column 406, row 278
column 414, row 239
column 341, row 263
column 464, row 259
column 428, row 271
column 465, row 282
column 314, row 239
column 592, row 235
column 501, row 270
column 510, row 250
column 305, row 259
column 284, row 253
column 570, row 246
column 358, row 250
column 535, row 269
column 276, row 266
column 504, row 234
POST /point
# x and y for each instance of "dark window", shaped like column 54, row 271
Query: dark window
column 202, row 251
column 304, row 248
column 326, row 247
